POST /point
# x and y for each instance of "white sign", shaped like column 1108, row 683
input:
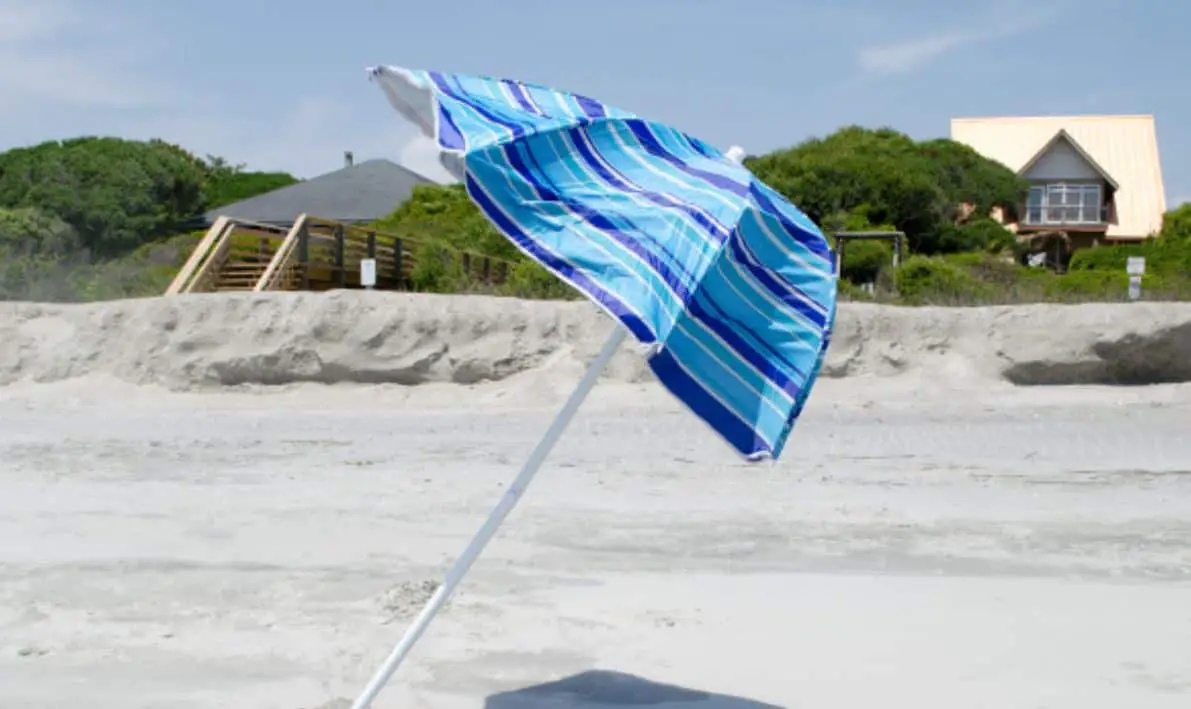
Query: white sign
column 1134, row 287
column 1136, row 265
column 368, row 272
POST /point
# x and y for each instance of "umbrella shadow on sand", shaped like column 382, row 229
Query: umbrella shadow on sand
column 606, row 690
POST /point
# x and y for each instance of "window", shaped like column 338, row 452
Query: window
column 1061, row 203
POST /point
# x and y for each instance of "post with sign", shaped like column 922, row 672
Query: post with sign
column 368, row 273
column 1135, row 266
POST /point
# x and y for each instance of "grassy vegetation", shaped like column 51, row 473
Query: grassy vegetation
column 100, row 218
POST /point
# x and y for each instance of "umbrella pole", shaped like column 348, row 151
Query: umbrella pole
column 507, row 502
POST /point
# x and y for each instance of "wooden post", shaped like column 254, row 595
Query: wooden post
column 487, row 271
column 304, row 255
column 467, row 264
column 372, row 244
column 340, row 270
column 398, row 259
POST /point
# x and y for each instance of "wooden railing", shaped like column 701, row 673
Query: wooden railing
column 282, row 269
column 316, row 254
column 199, row 258
column 321, row 253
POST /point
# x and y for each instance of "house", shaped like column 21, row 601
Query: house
column 1093, row 179
column 356, row 193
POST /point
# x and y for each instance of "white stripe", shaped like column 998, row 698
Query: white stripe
column 496, row 205
column 669, row 309
column 731, row 370
column 674, row 200
column 782, row 247
column 699, row 382
column 634, row 153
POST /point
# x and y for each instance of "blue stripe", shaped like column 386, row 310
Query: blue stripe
column 589, row 287
column 590, row 108
column 737, row 433
column 643, row 133
column 449, row 135
column 683, row 246
column 604, row 221
column 797, row 301
column 522, row 97
column 711, row 316
column 813, row 241
column 714, row 230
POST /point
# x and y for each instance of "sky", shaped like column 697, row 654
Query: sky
column 282, row 85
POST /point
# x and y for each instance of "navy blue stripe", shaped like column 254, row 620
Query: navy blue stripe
column 593, row 290
column 619, row 180
column 704, row 310
column 766, row 279
column 449, row 135
column 647, row 139
column 601, row 221
column 702, row 148
column 591, row 108
column 739, row 435
column 814, row 242
column 519, row 96
column 518, row 129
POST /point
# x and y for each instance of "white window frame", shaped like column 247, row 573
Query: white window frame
column 1055, row 202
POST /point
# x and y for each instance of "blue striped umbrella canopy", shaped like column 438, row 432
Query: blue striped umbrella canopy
column 732, row 287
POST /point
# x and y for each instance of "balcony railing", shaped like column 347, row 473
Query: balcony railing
column 1087, row 215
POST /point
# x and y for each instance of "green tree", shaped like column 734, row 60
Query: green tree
column 443, row 215
column 227, row 183
column 37, row 253
column 115, row 193
column 891, row 179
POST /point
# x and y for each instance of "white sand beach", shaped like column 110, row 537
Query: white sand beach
column 213, row 502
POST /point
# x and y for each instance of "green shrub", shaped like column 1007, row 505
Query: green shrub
column 980, row 234
column 929, row 280
column 1164, row 256
column 436, row 269
column 847, row 290
column 527, row 279
column 865, row 258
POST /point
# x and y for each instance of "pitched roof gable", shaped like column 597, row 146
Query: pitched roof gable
column 365, row 191
column 1125, row 146
column 1062, row 135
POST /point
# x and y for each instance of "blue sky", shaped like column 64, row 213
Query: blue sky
column 281, row 85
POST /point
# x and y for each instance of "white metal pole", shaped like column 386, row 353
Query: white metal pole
column 507, row 502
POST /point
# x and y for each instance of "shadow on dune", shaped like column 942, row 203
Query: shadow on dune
column 604, row 690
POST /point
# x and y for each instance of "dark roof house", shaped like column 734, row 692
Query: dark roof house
column 362, row 192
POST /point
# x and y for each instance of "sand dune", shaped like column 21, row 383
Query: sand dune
column 935, row 536
column 211, row 340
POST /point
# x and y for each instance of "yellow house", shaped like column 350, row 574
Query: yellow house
column 1093, row 179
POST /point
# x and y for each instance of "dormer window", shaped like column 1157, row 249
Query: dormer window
column 1062, row 203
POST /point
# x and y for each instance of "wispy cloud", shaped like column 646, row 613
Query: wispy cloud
column 911, row 55
column 1002, row 20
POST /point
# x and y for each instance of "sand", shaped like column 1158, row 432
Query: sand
column 219, row 501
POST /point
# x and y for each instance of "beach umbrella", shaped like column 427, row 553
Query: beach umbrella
column 730, row 288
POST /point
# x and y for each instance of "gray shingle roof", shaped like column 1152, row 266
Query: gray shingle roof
column 365, row 191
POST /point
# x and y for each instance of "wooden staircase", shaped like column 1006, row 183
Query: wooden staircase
column 312, row 254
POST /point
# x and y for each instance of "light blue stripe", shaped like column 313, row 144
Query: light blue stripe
column 622, row 151
column 748, row 371
column 563, row 167
column 552, row 223
column 754, row 404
